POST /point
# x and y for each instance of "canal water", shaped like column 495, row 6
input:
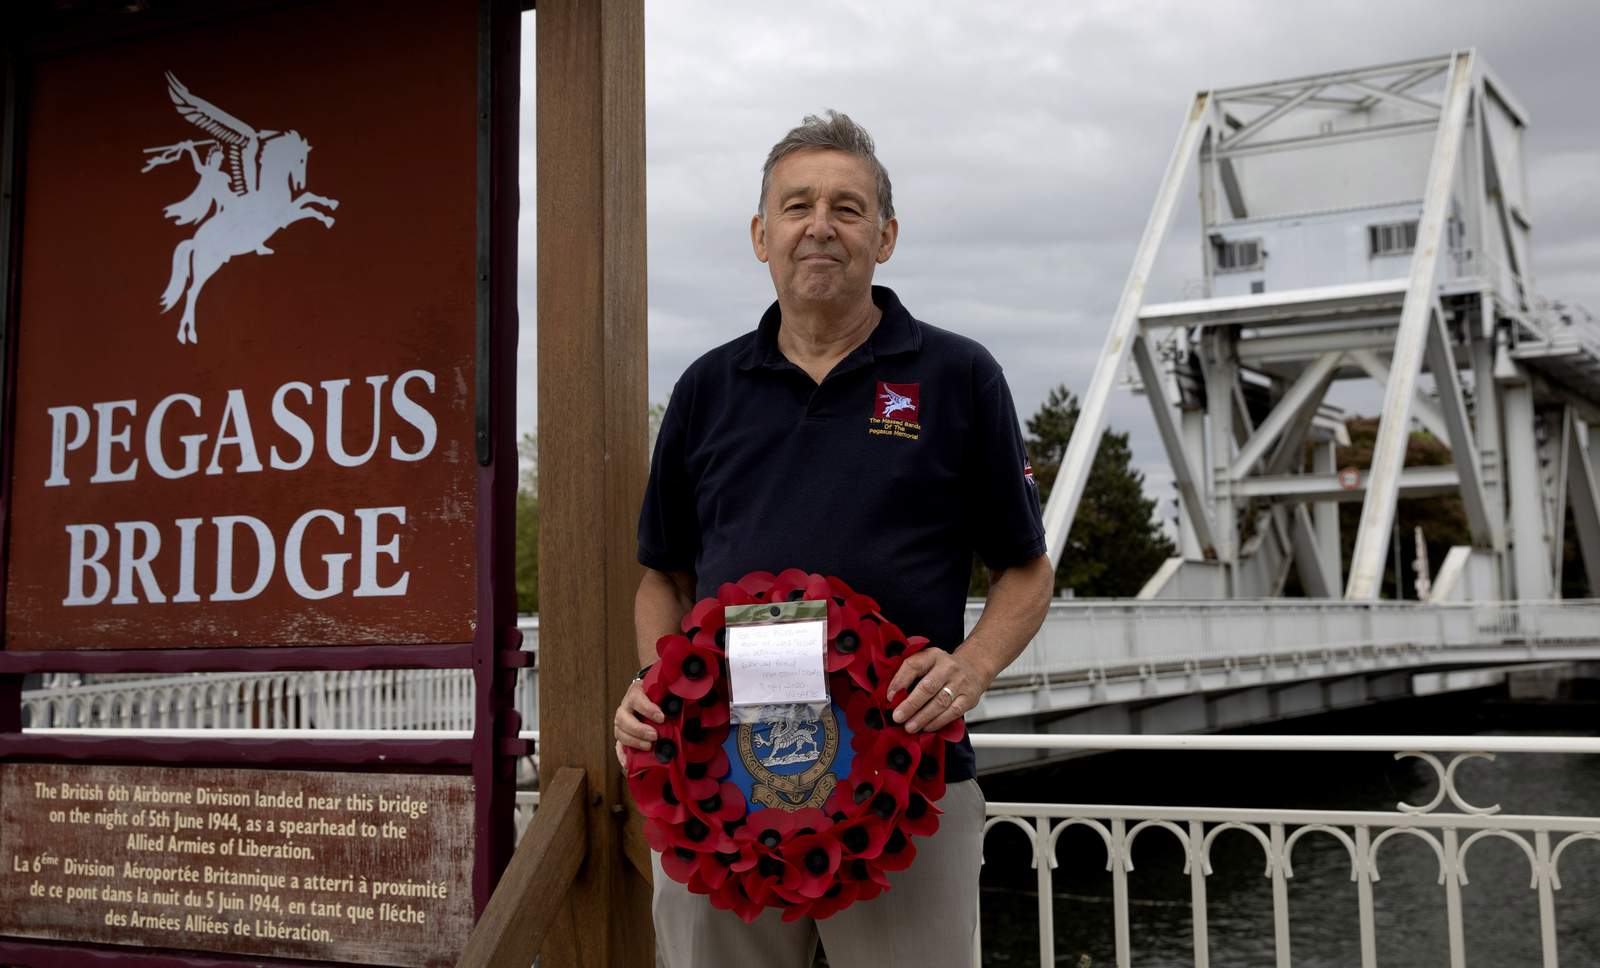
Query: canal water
column 1501, row 912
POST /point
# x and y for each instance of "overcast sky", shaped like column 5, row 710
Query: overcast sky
column 1026, row 141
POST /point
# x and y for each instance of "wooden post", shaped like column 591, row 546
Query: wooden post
column 593, row 395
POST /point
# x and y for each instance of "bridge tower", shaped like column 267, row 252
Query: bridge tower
column 1364, row 224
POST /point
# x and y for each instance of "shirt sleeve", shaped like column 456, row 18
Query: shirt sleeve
column 669, row 532
column 1007, row 523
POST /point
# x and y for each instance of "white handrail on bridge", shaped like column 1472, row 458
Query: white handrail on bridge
column 1087, row 652
column 1451, row 834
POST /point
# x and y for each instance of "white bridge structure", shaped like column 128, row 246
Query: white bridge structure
column 1366, row 224
column 1125, row 666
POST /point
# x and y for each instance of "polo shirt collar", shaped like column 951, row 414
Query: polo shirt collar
column 897, row 332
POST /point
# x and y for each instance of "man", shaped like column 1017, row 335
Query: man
column 845, row 437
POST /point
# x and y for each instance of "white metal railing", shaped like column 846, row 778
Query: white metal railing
column 1450, row 833
column 408, row 699
column 1091, row 642
column 1112, row 636
column 413, row 699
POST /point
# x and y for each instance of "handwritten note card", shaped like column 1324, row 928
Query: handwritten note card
column 779, row 663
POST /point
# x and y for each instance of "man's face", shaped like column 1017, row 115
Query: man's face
column 822, row 238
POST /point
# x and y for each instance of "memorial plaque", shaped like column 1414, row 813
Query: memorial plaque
column 361, row 868
column 246, row 334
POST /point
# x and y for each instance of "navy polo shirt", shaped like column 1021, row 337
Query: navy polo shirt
column 891, row 473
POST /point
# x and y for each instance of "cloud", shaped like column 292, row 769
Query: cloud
column 1027, row 141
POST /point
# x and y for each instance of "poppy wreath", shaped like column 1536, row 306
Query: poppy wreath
column 806, row 862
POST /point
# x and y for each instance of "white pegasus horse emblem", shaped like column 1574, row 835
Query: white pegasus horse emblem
column 894, row 402
column 245, row 194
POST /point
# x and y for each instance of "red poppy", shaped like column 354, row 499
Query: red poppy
column 702, row 776
column 732, row 896
column 850, row 640
column 790, row 585
column 898, row 852
column 731, row 594
column 862, row 836
column 838, row 589
column 920, row 818
column 811, row 860
column 680, row 863
column 835, row 899
column 725, row 804
column 928, row 778
column 658, row 795
column 707, row 615
column 717, row 866
column 712, row 708
column 687, row 670
column 896, row 755
column 862, row 604
column 758, row 584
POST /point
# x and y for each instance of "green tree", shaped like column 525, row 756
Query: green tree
column 527, row 524
column 1115, row 543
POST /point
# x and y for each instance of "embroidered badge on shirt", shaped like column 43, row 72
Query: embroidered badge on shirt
column 896, row 411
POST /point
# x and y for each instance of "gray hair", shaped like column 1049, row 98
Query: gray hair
column 832, row 131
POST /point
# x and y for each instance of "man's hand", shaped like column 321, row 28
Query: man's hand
column 631, row 726
column 949, row 687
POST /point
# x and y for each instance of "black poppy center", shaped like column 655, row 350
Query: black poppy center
column 665, row 750
column 672, row 705
column 816, row 860
column 858, row 870
column 770, row 838
column 708, row 700
column 796, row 594
column 712, row 803
column 695, row 830
column 894, row 648
column 928, row 768
column 863, row 792
column 693, row 731
column 875, row 718
column 872, row 674
column 899, row 759
column 855, row 839
column 694, row 667
column 770, row 867
column 897, row 842
column 847, row 642
column 695, row 771
column 726, row 859
column 917, row 807
column 667, row 795
column 883, row 805
column 833, row 891
column 683, row 853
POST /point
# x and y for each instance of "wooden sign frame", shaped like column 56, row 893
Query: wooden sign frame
column 489, row 756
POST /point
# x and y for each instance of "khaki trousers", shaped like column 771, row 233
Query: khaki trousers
column 927, row 919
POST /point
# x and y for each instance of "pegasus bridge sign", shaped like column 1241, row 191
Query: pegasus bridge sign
column 323, row 483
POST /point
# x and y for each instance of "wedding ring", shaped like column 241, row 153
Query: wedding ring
column 946, row 691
